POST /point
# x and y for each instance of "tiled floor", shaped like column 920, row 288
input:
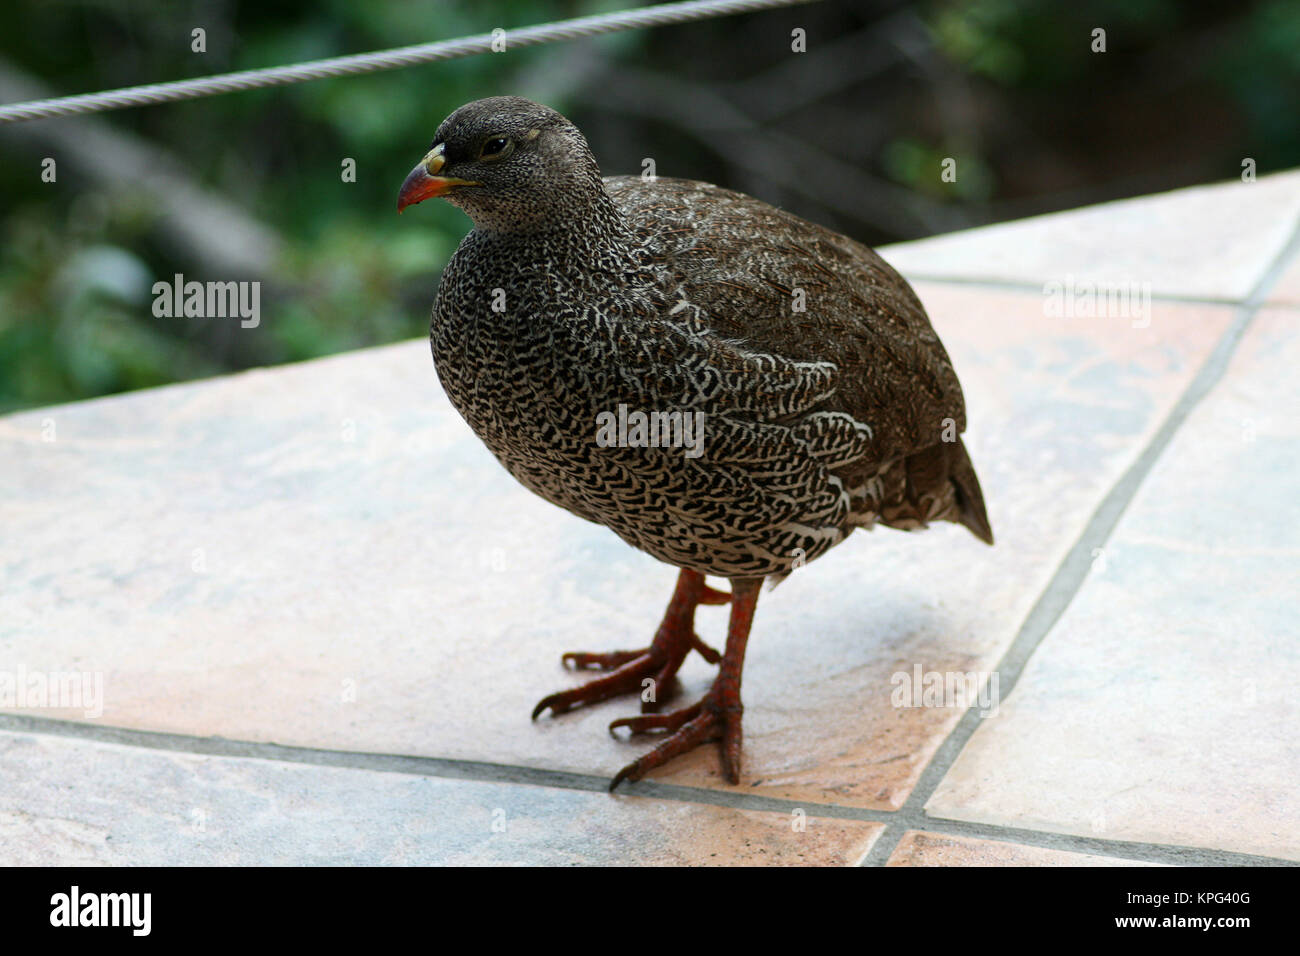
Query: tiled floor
column 937, row 849
column 321, row 612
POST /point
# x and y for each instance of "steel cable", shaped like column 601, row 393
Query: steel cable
column 655, row 16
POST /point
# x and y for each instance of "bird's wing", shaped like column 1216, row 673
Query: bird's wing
column 851, row 332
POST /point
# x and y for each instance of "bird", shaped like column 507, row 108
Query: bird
column 727, row 387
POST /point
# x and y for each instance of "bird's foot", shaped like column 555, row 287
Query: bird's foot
column 613, row 660
column 717, row 716
column 649, row 671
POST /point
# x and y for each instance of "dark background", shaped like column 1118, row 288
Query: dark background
column 851, row 133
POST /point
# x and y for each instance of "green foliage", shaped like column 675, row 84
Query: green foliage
column 1262, row 68
column 920, row 167
column 79, row 256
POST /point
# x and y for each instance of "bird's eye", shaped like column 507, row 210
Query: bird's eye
column 494, row 147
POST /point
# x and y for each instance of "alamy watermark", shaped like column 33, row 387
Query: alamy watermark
column 22, row 689
column 637, row 429
column 209, row 300
column 130, row 910
column 960, row 690
column 1074, row 298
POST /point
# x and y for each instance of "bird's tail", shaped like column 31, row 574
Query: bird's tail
column 970, row 499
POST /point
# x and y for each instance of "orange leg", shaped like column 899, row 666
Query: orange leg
column 659, row 662
column 718, row 715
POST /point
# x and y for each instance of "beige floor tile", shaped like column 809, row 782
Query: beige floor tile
column 69, row 802
column 1286, row 292
column 324, row 555
column 1206, row 242
column 920, row 848
column 1162, row 707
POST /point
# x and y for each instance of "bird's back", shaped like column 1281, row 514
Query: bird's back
column 771, row 283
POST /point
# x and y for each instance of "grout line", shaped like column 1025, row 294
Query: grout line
column 485, row 772
column 1166, row 853
column 887, row 843
column 1073, row 570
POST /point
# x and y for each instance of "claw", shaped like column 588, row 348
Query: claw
column 610, row 660
column 624, row 680
column 623, row 775
column 701, row 727
column 649, row 723
column 544, row 703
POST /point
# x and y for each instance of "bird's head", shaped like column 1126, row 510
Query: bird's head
column 511, row 164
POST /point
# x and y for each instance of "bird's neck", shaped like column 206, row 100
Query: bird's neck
column 581, row 236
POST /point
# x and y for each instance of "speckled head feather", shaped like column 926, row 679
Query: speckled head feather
column 533, row 166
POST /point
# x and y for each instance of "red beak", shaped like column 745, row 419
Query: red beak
column 422, row 183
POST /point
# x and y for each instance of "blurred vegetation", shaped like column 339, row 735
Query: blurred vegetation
column 851, row 133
